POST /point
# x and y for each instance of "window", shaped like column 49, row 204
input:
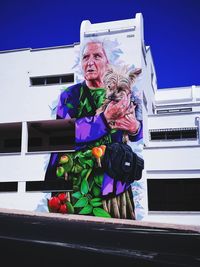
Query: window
column 38, row 81
column 174, row 110
column 54, row 79
column 51, row 135
column 189, row 134
column 160, row 135
column 162, row 111
column 67, row 78
column 10, row 137
column 8, row 186
column 173, row 194
column 57, row 185
column 173, row 134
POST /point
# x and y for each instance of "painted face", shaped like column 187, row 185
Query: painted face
column 94, row 62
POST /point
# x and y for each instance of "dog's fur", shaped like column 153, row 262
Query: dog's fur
column 118, row 81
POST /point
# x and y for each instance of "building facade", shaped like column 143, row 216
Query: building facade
column 31, row 81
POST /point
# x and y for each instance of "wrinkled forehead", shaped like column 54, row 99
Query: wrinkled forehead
column 94, row 47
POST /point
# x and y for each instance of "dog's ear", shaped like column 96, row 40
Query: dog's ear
column 134, row 74
column 109, row 70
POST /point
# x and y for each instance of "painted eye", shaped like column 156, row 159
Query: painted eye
column 85, row 57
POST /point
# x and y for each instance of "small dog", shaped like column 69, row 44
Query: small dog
column 118, row 81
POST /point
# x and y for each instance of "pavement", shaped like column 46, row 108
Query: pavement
column 50, row 239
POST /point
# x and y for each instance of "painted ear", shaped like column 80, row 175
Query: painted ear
column 134, row 74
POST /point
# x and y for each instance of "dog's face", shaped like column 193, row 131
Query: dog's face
column 119, row 82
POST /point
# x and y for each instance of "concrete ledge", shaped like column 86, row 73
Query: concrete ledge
column 84, row 218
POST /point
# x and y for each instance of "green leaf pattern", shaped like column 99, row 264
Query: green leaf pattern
column 86, row 177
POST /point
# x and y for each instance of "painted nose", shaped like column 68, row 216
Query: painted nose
column 90, row 62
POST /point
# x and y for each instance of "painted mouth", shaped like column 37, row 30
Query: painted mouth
column 90, row 70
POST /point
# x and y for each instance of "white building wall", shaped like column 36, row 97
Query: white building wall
column 21, row 102
column 51, row 61
column 18, row 99
column 174, row 95
column 173, row 159
column 178, row 97
column 172, row 121
column 14, row 81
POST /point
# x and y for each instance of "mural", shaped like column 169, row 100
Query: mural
column 106, row 106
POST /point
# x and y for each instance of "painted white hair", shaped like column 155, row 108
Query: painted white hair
column 110, row 47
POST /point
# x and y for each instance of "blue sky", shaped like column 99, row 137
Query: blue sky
column 172, row 29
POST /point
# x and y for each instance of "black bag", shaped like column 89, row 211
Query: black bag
column 121, row 163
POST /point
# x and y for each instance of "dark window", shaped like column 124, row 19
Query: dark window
column 53, row 79
column 35, row 141
column 8, row 186
column 171, row 135
column 174, row 134
column 61, row 140
column 10, row 143
column 67, row 78
column 49, row 186
column 189, row 134
column 52, row 135
column 158, row 136
column 10, row 137
column 38, row 81
column 173, row 194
